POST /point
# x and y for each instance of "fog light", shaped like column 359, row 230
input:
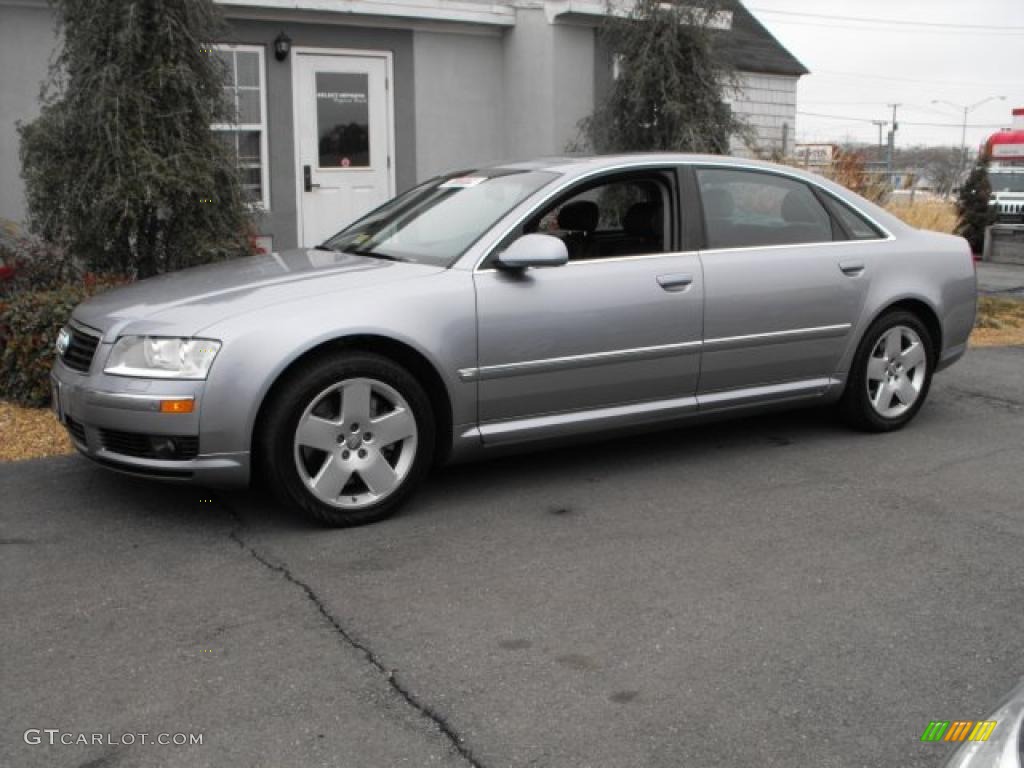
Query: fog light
column 177, row 406
column 163, row 447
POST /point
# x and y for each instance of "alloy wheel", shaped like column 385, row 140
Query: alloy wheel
column 897, row 369
column 355, row 443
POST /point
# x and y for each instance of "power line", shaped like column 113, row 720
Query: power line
column 902, row 122
column 844, row 27
column 907, row 22
column 965, row 83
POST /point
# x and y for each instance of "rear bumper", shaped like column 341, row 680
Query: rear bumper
column 94, row 407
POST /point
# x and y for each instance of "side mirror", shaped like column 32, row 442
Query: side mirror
column 534, row 251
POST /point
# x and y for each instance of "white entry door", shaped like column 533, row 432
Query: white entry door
column 343, row 123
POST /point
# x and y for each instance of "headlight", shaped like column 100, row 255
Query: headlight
column 162, row 357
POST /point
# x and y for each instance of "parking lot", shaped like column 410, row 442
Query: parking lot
column 769, row 591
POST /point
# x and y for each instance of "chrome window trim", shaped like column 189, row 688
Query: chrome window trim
column 823, row 244
column 551, row 364
column 650, row 166
column 609, row 260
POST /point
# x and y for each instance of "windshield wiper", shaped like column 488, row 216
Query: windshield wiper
column 373, row 254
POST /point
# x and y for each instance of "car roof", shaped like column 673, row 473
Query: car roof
column 574, row 164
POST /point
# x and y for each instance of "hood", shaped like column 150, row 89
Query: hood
column 183, row 303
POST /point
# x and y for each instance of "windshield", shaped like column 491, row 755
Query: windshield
column 436, row 222
column 1007, row 182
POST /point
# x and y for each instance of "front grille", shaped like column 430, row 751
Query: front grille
column 78, row 355
column 77, row 430
column 140, row 446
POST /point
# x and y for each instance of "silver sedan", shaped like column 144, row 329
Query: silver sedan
column 515, row 306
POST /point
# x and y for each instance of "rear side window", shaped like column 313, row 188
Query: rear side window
column 858, row 227
column 749, row 208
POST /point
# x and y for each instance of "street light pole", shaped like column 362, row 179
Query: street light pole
column 966, row 109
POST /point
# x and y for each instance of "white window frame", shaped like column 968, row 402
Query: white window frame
column 264, row 201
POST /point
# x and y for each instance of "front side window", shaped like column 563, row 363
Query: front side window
column 749, row 208
column 436, row 222
column 246, row 133
column 620, row 217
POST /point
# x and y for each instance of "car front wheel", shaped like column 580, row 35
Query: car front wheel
column 891, row 373
column 348, row 438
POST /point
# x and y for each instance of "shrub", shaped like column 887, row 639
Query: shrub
column 850, row 170
column 32, row 264
column 972, row 206
column 121, row 166
column 29, row 322
column 675, row 74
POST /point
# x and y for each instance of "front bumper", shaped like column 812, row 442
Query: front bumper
column 109, row 417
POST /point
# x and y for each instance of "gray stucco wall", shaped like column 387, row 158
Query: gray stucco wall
column 281, row 220
column 460, row 115
column 574, row 83
column 26, row 41
column 549, row 83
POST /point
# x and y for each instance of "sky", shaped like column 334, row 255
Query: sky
column 972, row 50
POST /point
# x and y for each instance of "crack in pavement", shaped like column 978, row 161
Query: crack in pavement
column 410, row 698
column 968, row 394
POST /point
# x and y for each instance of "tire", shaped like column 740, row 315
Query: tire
column 880, row 382
column 348, row 438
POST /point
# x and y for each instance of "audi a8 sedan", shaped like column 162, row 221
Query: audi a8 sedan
column 515, row 306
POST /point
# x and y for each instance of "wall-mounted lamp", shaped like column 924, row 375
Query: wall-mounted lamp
column 282, row 46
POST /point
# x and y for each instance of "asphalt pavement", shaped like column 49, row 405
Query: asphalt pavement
column 1005, row 280
column 773, row 591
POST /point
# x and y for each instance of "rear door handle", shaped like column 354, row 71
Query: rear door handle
column 851, row 268
column 677, row 281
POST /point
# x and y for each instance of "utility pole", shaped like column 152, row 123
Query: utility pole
column 892, row 144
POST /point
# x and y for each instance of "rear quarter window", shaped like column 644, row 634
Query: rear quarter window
column 856, row 225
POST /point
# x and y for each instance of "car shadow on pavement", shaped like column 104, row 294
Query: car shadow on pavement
column 505, row 475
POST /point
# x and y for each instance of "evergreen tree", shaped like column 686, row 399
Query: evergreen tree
column 671, row 84
column 973, row 207
column 121, row 167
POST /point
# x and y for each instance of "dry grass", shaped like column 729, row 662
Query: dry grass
column 936, row 215
column 30, row 433
column 1000, row 323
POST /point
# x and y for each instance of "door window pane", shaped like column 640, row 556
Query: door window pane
column 624, row 217
column 750, row 208
column 343, row 119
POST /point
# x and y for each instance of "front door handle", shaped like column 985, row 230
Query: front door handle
column 851, row 268
column 677, row 281
column 307, row 179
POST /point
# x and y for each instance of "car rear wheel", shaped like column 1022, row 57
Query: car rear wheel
column 891, row 373
column 347, row 439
